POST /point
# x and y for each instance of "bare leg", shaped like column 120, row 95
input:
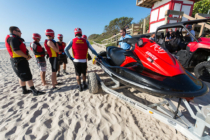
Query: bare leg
column 84, row 78
column 22, row 83
column 30, row 83
column 64, row 66
column 59, row 69
column 78, row 80
column 54, row 81
column 42, row 74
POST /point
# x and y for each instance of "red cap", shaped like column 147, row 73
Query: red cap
column 49, row 32
column 84, row 36
column 36, row 35
column 77, row 31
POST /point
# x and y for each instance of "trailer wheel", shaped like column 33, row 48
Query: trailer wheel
column 202, row 71
column 93, row 83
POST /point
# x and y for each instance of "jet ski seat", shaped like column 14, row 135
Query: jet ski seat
column 116, row 54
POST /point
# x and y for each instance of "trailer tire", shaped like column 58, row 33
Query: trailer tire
column 93, row 83
column 202, row 71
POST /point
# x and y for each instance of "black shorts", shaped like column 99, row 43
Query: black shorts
column 54, row 63
column 21, row 68
column 62, row 59
column 80, row 68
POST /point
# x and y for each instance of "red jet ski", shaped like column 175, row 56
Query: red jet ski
column 151, row 69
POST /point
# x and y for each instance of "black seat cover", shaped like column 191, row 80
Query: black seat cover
column 116, row 54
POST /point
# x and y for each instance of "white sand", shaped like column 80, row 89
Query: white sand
column 70, row 114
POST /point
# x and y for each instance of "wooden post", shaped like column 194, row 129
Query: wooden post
column 202, row 30
column 132, row 28
column 166, row 19
column 144, row 28
column 116, row 38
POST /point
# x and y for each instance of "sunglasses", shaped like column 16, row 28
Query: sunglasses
column 121, row 32
column 18, row 31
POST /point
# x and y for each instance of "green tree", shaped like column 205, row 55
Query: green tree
column 117, row 23
column 201, row 7
column 111, row 29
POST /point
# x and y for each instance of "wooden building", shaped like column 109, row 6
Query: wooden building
column 159, row 7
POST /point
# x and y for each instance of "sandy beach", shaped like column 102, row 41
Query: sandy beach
column 73, row 115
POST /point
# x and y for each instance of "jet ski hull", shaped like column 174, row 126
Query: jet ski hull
column 180, row 86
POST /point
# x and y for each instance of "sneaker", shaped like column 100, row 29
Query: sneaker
column 37, row 93
column 27, row 92
column 80, row 88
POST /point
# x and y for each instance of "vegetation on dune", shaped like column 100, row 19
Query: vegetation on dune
column 91, row 42
column 112, row 44
column 141, row 22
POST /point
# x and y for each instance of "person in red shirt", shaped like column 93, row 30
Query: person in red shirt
column 19, row 57
column 80, row 48
column 39, row 53
column 62, row 59
column 52, row 50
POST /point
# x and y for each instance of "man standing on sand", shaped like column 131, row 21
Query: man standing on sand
column 62, row 59
column 52, row 50
column 79, row 48
column 19, row 60
column 39, row 53
column 124, row 45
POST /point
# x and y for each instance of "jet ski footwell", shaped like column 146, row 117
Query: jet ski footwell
column 171, row 116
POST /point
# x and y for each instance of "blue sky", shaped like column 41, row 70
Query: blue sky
column 35, row 16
